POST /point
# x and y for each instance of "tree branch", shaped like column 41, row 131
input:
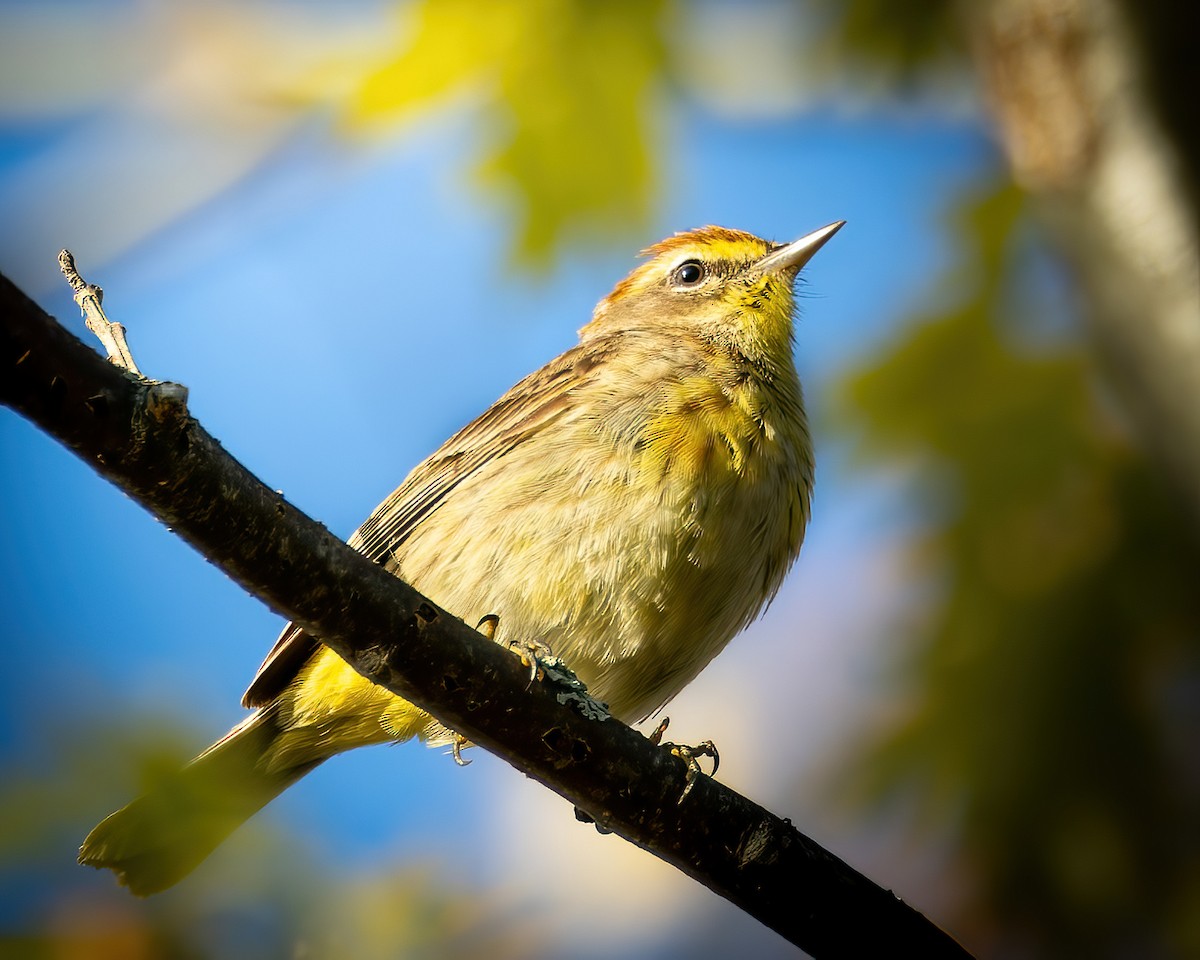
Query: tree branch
column 139, row 435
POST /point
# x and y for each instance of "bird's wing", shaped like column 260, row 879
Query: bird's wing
column 540, row 399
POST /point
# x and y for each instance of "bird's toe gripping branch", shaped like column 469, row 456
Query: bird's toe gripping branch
column 531, row 652
column 691, row 756
column 543, row 666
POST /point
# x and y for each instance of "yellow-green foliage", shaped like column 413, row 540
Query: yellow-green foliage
column 1047, row 684
column 567, row 88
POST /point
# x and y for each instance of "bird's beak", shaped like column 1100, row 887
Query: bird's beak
column 793, row 256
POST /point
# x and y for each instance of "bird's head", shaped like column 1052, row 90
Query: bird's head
column 726, row 285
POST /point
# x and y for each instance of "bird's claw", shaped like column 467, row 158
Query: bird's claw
column 691, row 756
column 531, row 652
column 487, row 626
column 543, row 665
column 456, row 749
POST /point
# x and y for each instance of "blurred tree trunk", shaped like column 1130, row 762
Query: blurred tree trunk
column 1089, row 101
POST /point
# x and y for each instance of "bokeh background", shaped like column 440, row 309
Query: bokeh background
column 348, row 227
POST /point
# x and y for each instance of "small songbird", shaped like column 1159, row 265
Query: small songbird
column 632, row 505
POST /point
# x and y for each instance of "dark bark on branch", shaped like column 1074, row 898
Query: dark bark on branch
column 139, row 435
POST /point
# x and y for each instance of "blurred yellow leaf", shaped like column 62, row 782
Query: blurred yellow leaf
column 564, row 91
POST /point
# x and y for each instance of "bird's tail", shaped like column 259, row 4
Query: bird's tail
column 161, row 837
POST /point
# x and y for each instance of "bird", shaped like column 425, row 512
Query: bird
column 632, row 505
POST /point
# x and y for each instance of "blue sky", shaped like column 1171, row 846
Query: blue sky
column 336, row 310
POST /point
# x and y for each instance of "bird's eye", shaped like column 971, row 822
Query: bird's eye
column 689, row 273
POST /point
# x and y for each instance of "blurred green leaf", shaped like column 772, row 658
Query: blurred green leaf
column 1066, row 616
column 564, row 90
column 266, row 894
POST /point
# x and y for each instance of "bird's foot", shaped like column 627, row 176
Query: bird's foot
column 487, row 626
column 544, row 666
column 456, row 749
column 534, row 654
column 691, row 756
column 531, row 652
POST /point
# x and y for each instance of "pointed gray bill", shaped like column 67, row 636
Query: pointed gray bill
column 794, row 255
